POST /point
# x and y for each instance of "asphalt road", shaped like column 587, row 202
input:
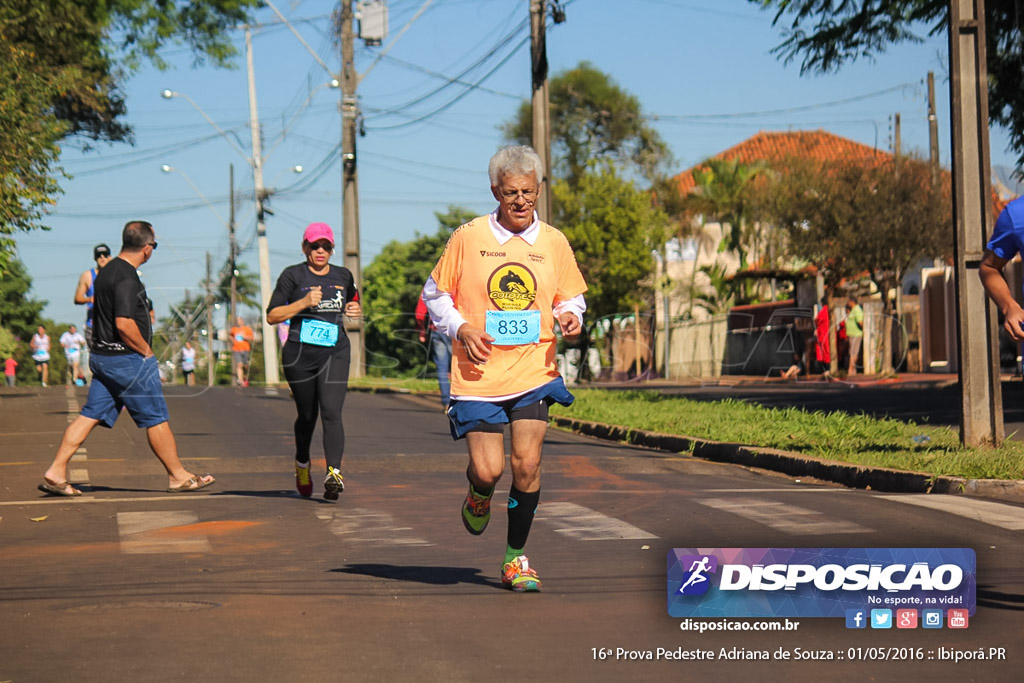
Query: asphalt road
column 247, row 581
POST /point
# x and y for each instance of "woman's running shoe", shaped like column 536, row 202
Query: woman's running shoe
column 303, row 482
column 333, row 484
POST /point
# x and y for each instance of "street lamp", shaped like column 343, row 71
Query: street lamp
column 270, row 365
column 168, row 94
column 167, row 168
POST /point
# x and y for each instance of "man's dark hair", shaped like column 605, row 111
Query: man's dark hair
column 136, row 235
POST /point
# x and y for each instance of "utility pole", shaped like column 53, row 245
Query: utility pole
column 981, row 399
column 233, row 246
column 211, row 368
column 896, row 136
column 269, row 338
column 349, row 180
column 933, row 130
column 541, row 111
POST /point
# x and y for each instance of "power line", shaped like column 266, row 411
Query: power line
column 789, row 110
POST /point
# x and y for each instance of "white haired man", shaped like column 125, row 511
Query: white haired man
column 500, row 286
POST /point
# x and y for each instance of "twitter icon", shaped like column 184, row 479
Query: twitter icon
column 881, row 618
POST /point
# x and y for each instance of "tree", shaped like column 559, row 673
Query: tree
column 19, row 313
column 724, row 192
column 825, row 34
column 853, row 217
column 391, row 285
column 614, row 229
column 62, row 64
column 592, row 118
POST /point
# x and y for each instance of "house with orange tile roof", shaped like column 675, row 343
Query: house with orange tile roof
column 686, row 258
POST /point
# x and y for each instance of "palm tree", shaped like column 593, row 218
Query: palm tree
column 723, row 193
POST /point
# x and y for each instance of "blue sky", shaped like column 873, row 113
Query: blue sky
column 681, row 58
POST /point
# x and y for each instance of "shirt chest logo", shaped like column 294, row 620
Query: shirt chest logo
column 512, row 287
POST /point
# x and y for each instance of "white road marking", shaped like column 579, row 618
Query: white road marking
column 140, row 533
column 583, row 524
column 78, row 476
column 360, row 525
column 988, row 512
column 786, row 518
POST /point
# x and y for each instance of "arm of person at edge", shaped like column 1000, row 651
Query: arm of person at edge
column 82, row 288
column 448, row 320
column 991, row 273
column 128, row 329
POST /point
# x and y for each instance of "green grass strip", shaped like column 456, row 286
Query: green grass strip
column 838, row 436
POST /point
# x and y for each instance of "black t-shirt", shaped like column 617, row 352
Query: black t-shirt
column 118, row 293
column 338, row 288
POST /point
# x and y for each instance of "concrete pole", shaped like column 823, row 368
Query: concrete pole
column 981, row 392
column 211, row 366
column 933, row 130
column 541, row 111
column 349, row 181
column 270, row 368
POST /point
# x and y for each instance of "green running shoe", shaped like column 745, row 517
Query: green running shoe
column 476, row 512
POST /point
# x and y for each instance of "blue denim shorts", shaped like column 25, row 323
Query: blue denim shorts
column 465, row 416
column 128, row 381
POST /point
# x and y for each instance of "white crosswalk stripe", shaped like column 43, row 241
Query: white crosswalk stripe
column 360, row 525
column 583, row 524
column 148, row 532
column 786, row 518
column 988, row 512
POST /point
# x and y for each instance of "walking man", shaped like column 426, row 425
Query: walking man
column 84, row 297
column 500, row 286
column 125, row 373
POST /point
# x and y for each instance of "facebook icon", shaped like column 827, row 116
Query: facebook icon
column 856, row 618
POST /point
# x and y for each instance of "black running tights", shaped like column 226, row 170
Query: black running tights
column 320, row 391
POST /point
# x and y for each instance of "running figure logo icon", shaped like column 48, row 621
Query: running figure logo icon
column 696, row 581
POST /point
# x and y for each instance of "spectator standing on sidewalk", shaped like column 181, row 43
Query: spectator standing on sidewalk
column 854, row 332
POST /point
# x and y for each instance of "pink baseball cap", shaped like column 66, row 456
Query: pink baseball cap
column 318, row 231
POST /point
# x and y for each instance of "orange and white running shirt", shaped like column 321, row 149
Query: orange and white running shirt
column 532, row 271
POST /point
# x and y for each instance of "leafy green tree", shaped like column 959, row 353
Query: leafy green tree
column 614, row 229
column 62, row 66
column 825, row 34
column 391, row 285
column 592, row 118
column 19, row 312
column 853, row 217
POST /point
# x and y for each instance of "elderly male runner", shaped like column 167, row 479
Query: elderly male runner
column 124, row 369
column 501, row 284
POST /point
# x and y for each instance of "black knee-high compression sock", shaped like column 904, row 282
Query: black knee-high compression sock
column 521, row 508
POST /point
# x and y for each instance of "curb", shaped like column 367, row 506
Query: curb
column 793, row 464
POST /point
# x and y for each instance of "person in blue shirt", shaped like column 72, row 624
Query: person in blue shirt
column 1007, row 241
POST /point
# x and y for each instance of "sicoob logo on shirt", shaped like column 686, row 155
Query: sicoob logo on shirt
column 512, row 287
